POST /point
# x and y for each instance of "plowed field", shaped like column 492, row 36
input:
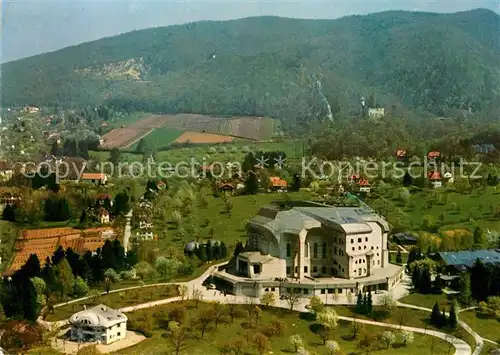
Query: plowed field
column 253, row 128
column 203, row 138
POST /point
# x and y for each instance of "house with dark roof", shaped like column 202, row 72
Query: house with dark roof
column 465, row 259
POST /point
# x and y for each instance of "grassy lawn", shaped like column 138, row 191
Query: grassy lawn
column 392, row 258
column 234, row 152
column 226, row 227
column 488, row 328
column 407, row 317
column 451, row 209
column 116, row 300
column 294, row 323
column 427, row 301
column 488, row 348
column 160, row 138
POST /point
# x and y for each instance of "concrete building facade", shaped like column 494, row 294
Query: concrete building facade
column 316, row 245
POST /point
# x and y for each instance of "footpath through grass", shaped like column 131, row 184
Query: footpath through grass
column 243, row 329
column 115, row 300
column 487, row 327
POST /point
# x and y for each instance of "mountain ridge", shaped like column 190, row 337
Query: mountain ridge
column 263, row 65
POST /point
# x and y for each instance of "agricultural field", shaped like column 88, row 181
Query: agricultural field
column 233, row 152
column 160, row 138
column 251, row 128
column 191, row 137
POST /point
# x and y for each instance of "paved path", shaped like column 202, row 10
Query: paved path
column 401, row 290
column 478, row 339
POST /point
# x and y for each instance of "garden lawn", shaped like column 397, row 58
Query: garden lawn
column 486, row 327
column 227, row 227
column 450, row 209
column 294, row 323
column 116, row 300
column 427, row 301
column 392, row 258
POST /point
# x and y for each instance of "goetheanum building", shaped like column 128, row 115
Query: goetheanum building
column 98, row 324
column 314, row 248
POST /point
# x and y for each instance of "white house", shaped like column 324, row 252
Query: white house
column 100, row 323
column 376, row 112
column 103, row 216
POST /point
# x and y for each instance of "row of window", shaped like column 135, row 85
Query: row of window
column 363, row 261
column 360, row 240
column 314, row 269
column 324, row 250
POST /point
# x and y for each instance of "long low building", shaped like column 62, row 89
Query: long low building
column 465, row 259
column 315, row 248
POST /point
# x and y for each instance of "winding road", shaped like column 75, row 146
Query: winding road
column 461, row 347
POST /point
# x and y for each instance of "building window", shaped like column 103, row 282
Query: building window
column 315, row 269
column 330, row 291
column 296, row 269
column 256, row 269
column 266, row 289
column 352, row 240
column 288, row 250
column 360, row 271
column 372, row 247
column 306, row 291
column 323, row 249
column 359, row 248
column 340, row 290
column 273, row 289
column 377, row 254
column 323, row 270
column 305, row 269
column 379, row 262
column 323, row 291
column 355, row 261
column 353, row 248
column 119, row 334
column 306, row 251
column 359, row 240
column 289, row 269
column 333, row 271
column 335, row 250
column 365, row 246
column 315, row 251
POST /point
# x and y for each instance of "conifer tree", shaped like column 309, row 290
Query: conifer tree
column 223, row 250
column 209, row 251
column 436, row 315
column 359, row 304
column 369, row 304
column 452, row 320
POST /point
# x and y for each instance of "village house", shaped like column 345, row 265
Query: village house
column 278, row 184
column 364, row 185
column 95, row 178
column 103, row 216
column 483, row 148
column 6, row 171
column 225, row 187
column 310, row 249
column 435, row 179
column 31, row 109
column 401, row 155
column 434, row 155
column 376, row 112
column 98, row 324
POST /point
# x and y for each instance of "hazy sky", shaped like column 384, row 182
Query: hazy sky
column 37, row 26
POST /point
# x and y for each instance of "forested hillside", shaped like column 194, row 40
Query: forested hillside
column 276, row 67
